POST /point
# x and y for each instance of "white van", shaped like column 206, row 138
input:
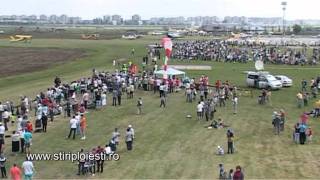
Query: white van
column 263, row 80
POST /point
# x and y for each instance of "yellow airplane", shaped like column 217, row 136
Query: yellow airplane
column 90, row 36
column 17, row 38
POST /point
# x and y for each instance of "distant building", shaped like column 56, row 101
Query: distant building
column 43, row 17
column 136, row 17
column 74, row 20
column 116, row 20
column 53, row 19
column 63, row 19
column 106, row 19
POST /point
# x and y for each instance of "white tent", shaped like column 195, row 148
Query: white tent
column 170, row 72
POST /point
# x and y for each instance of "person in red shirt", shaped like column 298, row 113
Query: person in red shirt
column 304, row 118
column 15, row 172
column 29, row 126
column 100, row 161
column 82, row 109
column 309, row 134
column 238, row 175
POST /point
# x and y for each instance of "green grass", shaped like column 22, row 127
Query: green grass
column 167, row 144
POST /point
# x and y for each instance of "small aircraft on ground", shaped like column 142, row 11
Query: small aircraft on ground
column 18, row 38
column 90, row 36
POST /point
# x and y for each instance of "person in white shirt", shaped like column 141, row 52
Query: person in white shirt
column 78, row 118
column 220, row 151
column 28, row 169
column 1, row 110
column 5, row 117
column 2, row 131
column 73, row 127
column 199, row 110
column 108, row 150
column 85, row 99
column 115, row 136
column 19, row 120
column 235, row 104
column 132, row 131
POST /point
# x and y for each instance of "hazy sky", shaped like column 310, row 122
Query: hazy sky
column 88, row 9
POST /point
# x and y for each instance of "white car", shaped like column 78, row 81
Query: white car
column 286, row 82
column 263, row 80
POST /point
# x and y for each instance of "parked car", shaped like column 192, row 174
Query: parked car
column 286, row 82
column 262, row 80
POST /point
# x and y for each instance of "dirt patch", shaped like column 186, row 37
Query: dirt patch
column 15, row 61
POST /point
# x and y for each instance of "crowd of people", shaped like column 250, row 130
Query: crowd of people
column 74, row 100
column 221, row 50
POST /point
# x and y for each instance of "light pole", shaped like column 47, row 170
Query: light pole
column 284, row 7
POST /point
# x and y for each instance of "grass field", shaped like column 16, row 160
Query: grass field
column 167, row 144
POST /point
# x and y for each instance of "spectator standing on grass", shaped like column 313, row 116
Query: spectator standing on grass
column 15, row 142
column 78, row 118
column 5, row 119
column 83, row 127
column 119, row 94
column 116, row 136
column 163, row 101
column 199, row 110
column 114, row 97
column 85, row 99
column 300, row 100
column 2, row 131
column 296, row 133
column 73, row 127
column 221, row 171
column 139, row 106
column 230, row 140
column 230, row 175
column 309, row 134
column 28, row 169
column 276, row 122
column 1, row 110
column 44, row 121
column 235, row 104
column 304, row 85
column 15, row 172
column 132, row 131
column 100, row 161
column 129, row 139
column 238, row 175
column 18, row 123
column 81, row 163
column 27, row 141
column 3, row 166
column 21, row 132
column 302, row 131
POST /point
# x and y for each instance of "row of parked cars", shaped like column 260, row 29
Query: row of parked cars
column 264, row 80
